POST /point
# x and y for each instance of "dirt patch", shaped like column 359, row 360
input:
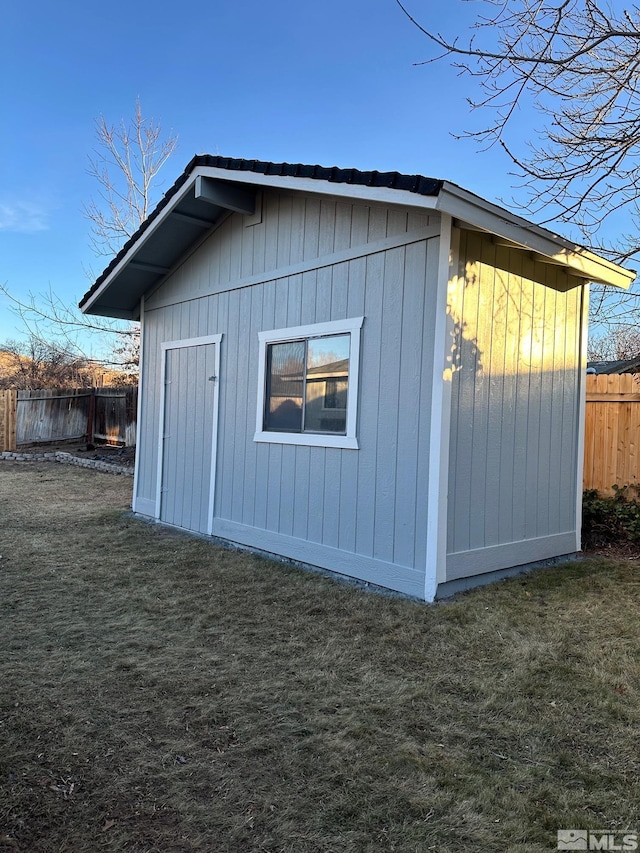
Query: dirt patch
column 125, row 456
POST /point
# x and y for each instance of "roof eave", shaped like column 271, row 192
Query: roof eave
column 488, row 217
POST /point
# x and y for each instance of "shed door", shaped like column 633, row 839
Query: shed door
column 189, row 435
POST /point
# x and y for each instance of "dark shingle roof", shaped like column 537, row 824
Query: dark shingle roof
column 625, row 365
column 391, row 180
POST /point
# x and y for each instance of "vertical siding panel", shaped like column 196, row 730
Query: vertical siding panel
column 424, row 422
column 273, row 486
column 359, row 224
column 497, row 296
column 331, row 517
column 241, row 395
column 311, row 228
column 348, row 500
column 227, row 379
column 339, row 288
column 301, row 492
column 237, row 234
column 271, row 207
column 417, row 220
column 201, row 419
column 294, row 300
column 325, row 246
column 323, row 295
column 396, row 222
column 259, row 234
column 282, row 303
column 468, row 356
column 327, row 227
column 284, row 231
column 349, row 467
column 262, row 450
column 470, row 363
column 388, row 396
column 223, row 243
column 308, row 306
column 177, row 395
column 247, row 253
column 480, row 438
column 342, row 239
column 544, row 365
column 369, row 404
column 316, row 493
column 286, row 486
column 251, row 461
column 510, row 303
column 296, row 252
column 410, row 391
column 521, row 323
column 534, row 402
column 559, row 323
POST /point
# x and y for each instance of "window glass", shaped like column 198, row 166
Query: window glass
column 326, row 384
column 285, row 386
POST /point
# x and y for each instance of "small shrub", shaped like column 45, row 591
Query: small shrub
column 611, row 518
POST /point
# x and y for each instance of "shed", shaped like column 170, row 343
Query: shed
column 377, row 374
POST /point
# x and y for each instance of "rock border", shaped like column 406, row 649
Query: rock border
column 67, row 459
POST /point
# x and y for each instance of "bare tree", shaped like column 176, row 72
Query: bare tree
column 622, row 342
column 52, row 325
column 575, row 65
column 126, row 163
column 35, row 364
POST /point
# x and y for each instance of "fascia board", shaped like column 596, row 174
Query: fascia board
column 495, row 220
column 140, row 242
column 320, row 187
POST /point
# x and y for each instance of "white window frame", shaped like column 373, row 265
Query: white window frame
column 348, row 441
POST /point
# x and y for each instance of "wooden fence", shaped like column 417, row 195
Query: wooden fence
column 612, row 432
column 43, row 416
column 8, row 420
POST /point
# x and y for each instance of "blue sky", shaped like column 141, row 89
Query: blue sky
column 330, row 83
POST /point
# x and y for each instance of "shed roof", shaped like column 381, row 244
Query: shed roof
column 210, row 186
column 623, row 365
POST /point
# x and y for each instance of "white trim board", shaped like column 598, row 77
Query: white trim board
column 348, row 441
column 438, row 478
column 398, row 578
column 466, row 564
column 141, row 385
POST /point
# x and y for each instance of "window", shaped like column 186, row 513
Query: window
column 308, row 379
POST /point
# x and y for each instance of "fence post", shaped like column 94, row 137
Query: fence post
column 8, row 406
column 91, row 417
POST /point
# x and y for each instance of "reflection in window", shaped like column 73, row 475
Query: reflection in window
column 307, row 384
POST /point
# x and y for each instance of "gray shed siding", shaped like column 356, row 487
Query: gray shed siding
column 515, row 410
column 361, row 512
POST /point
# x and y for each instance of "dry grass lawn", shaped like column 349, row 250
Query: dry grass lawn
column 158, row 693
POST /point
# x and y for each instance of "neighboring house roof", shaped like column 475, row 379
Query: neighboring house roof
column 211, row 186
column 624, row 365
